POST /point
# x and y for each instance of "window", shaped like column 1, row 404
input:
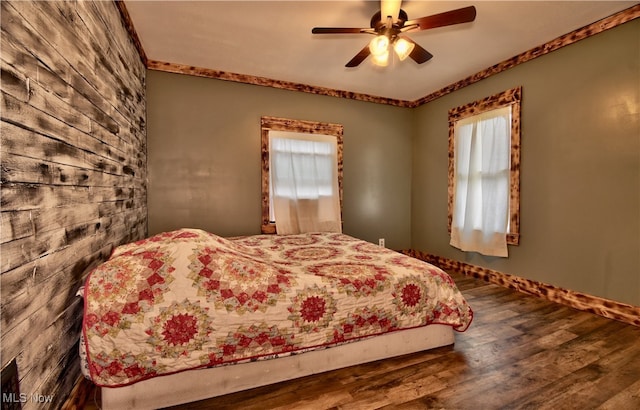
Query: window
column 301, row 165
column 484, row 174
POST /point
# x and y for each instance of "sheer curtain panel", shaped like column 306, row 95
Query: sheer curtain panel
column 304, row 183
column 481, row 188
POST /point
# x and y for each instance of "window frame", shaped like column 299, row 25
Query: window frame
column 268, row 124
column 512, row 98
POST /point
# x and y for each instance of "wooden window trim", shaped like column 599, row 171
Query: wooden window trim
column 308, row 127
column 511, row 98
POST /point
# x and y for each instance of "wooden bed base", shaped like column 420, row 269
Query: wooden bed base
column 201, row 384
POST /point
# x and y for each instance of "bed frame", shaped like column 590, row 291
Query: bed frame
column 193, row 385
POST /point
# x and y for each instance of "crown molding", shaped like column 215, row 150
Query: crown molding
column 546, row 48
column 133, row 34
column 268, row 82
column 562, row 41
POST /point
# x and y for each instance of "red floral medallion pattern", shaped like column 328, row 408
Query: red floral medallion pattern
column 369, row 248
column 313, row 309
column 107, row 366
column 364, row 322
column 186, row 299
column 362, row 257
column 237, row 283
column 258, row 242
column 179, row 329
column 250, row 342
column 311, row 253
column 165, row 237
column 356, row 279
column 412, row 263
column 411, row 296
column 340, row 237
column 297, row 240
column 128, row 285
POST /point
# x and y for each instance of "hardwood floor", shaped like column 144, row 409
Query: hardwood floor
column 521, row 352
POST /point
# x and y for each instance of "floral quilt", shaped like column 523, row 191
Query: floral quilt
column 188, row 299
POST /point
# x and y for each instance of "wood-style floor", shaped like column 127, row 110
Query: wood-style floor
column 521, row 352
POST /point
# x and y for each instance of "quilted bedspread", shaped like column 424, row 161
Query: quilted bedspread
column 187, row 299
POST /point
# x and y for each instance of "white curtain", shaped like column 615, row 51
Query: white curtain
column 481, row 197
column 304, row 183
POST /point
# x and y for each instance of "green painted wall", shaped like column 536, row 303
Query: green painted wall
column 580, row 175
column 204, row 156
column 580, row 172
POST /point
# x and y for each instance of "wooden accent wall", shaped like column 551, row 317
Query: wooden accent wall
column 73, row 177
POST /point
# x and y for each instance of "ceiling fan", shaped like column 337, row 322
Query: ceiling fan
column 390, row 29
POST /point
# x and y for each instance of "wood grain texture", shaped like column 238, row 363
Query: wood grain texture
column 546, row 48
column 126, row 18
column 290, row 125
column 600, row 306
column 73, row 175
column 521, row 352
column 268, row 82
column 509, row 98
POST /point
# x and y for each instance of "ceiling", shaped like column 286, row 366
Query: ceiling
column 273, row 39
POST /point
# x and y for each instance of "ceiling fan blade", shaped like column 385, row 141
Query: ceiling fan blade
column 448, row 18
column 340, row 30
column 418, row 54
column 360, row 57
column 390, row 8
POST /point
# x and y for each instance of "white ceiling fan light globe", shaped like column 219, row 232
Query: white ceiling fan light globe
column 379, row 45
column 403, row 48
column 381, row 60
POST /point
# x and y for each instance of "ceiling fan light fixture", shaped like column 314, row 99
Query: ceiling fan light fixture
column 389, row 24
column 379, row 45
column 381, row 60
column 403, row 48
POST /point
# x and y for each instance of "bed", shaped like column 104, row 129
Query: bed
column 186, row 315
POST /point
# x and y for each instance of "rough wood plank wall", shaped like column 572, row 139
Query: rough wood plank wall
column 73, row 176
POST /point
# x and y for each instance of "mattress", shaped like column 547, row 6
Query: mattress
column 189, row 299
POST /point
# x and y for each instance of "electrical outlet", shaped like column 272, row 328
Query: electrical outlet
column 381, row 242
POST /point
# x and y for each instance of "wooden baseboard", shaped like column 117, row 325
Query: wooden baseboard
column 600, row 306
